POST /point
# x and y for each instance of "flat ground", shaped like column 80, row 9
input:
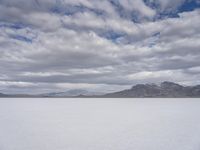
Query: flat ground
column 99, row 124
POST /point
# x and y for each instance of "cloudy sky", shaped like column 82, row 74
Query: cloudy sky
column 98, row 45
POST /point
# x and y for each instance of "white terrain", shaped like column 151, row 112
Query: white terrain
column 99, row 124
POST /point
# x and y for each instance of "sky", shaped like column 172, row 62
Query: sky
column 97, row 45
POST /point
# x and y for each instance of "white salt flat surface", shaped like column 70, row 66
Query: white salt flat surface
column 99, row 124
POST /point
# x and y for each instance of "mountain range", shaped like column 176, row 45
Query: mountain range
column 72, row 93
column 164, row 90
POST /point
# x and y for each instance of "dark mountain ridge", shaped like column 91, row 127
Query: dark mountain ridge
column 164, row 90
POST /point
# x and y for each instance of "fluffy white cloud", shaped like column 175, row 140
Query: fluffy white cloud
column 169, row 5
column 138, row 5
column 94, row 47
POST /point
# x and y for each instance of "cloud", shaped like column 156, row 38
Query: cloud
column 44, row 45
column 170, row 5
column 138, row 5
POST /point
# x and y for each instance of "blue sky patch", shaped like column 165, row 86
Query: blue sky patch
column 13, row 26
column 111, row 35
column 21, row 38
column 189, row 6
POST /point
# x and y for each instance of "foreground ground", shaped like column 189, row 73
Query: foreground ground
column 99, row 124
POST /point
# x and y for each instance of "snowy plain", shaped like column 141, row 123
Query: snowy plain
column 99, row 124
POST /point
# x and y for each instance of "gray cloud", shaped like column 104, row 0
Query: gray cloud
column 93, row 46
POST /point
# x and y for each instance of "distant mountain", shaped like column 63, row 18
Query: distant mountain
column 165, row 89
column 16, row 95
column 3, row 95
column 72, row 93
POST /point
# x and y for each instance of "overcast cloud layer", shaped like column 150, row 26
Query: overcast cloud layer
column 107, row 45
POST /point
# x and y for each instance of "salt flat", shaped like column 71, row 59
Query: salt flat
column 99, row 124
